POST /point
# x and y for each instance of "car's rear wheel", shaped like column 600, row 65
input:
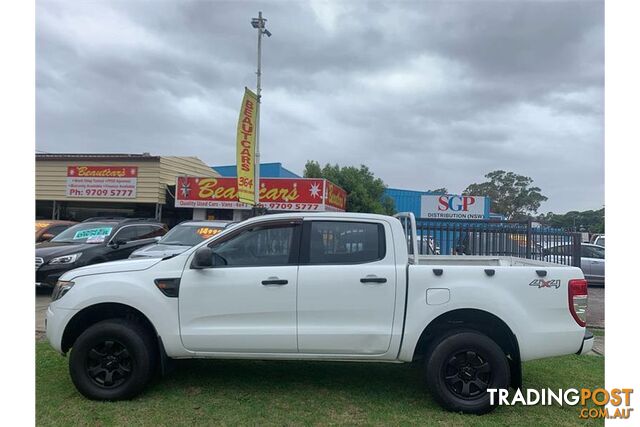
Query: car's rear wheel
column 461, row 367
column 112, row 360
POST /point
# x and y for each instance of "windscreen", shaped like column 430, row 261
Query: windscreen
column 189, row 235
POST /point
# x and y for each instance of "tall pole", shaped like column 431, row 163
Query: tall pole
column 259, row 24
column 258, row 91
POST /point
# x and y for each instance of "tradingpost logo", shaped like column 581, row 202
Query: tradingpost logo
column 597, row 403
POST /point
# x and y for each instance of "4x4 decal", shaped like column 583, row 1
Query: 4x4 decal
column 541, row 283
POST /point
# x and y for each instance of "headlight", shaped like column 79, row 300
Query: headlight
column 66, row 259
column 62, row 287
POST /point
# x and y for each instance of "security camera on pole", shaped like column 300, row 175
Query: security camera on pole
column 259, row 24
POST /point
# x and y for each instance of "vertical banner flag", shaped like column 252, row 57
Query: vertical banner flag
column 246, row 147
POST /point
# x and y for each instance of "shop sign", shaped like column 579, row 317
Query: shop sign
column 276, row 194
column 104, row 182
column 454, row 207
column 336, row 197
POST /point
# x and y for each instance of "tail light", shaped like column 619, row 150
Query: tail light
column 578, row 300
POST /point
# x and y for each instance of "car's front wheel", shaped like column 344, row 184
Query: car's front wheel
column 112, row 360
column 461, row 367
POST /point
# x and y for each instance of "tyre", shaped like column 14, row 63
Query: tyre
column 461, row 367
column 112, row 360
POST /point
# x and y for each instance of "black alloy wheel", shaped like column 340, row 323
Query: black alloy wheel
column 113, row 359
column 461, row 365
column 109, row 364
column 467, row 374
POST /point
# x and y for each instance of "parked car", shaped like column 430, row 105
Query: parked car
column 598, row 240
column 319, row 286
column 47, row 229
column 180, row 238
column 90, row 242
column 591, row 260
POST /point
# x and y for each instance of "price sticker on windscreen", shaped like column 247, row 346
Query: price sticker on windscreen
column 206, row 232
column 92, row 232
column 96, row 239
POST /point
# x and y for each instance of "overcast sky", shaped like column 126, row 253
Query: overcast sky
column 427, row 95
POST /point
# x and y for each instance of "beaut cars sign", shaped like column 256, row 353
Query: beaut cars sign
column 246, row 147
column 103, row 182
column 454, row 207
column 276, row 194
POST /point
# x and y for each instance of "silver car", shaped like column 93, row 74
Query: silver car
column 180, row 238
column 591, row 260
column 598, row 240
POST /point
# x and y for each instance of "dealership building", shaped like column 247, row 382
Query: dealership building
column 169, row 188
column 79, row 186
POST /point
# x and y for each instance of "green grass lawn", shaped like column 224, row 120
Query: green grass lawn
column 215, row 392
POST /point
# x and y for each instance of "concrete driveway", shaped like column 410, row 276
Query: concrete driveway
column 595, row 313
column 42, row 301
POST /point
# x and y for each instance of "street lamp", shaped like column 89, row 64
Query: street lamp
column 259, row 24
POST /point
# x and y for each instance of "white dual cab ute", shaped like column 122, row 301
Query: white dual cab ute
column 319, row 286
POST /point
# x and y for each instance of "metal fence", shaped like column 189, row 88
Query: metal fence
column 497, row 238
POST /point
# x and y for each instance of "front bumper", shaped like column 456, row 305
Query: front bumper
column 55, row 323
column 587, row 342
column 48, row 275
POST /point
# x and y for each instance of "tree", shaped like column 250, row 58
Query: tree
column 442, row 190
column 365, row 192
column 511, row 194
column 590, row 221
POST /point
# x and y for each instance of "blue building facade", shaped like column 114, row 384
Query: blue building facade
column 267, row 170
column 406, row 200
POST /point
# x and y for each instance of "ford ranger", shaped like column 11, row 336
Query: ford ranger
column 319, row 286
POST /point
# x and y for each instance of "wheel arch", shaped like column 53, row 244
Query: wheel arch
column 95, row 313
column 478, row 320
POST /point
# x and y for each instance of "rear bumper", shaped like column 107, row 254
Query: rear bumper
column 587, row 343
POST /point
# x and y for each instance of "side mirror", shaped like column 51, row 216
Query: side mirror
column 157, row 238
column 203, row 258
column 115, row 244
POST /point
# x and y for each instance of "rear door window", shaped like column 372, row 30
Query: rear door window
column 345, row 242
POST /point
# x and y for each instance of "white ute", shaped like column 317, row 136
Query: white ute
column 319, row 286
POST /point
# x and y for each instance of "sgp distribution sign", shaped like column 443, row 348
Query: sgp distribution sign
column 454, row 207
column 110, row 182
column 277, row 194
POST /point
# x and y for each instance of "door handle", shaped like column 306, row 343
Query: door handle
column 274, row 281
column 373, row 279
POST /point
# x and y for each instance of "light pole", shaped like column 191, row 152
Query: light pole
column 259, row 24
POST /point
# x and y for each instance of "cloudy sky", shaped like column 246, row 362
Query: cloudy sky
column 427, row 95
